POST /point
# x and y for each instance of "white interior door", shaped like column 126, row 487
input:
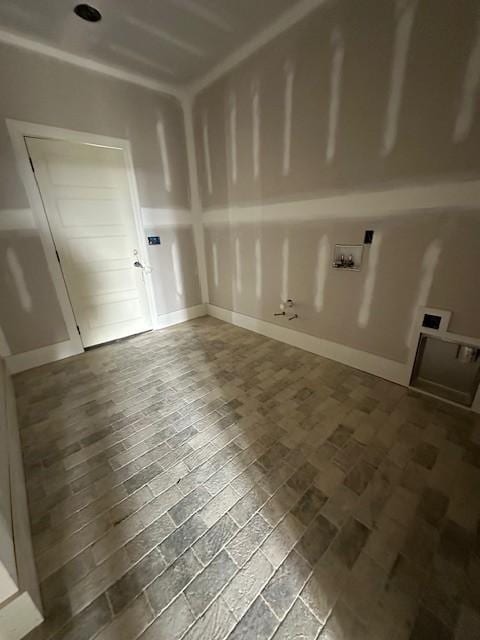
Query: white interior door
column 89, row 208
column 8, row 568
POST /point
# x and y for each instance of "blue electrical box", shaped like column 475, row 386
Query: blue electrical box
column 153, row 239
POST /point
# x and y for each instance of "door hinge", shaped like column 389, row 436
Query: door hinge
column 78, row 329
column 31, row 164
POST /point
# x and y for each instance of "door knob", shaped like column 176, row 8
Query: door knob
column 138, row 264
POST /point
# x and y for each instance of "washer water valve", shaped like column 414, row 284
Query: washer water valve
column 284, row 306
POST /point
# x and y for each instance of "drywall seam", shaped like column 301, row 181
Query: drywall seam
column 471, row 85
column 289, row 70
column 427, row 274
column 258, row 269
column 338, row 47
column 323, row 259
column 16, row 219
column 374, row 204
column 232, row 124
column 376, row 365
column 89, row 64
column 159, row 217
column 256, row 130
column 167, row 179
column 195, row 202
column 238, row 266
column 216, row 280
column 206, row 151
column 18, row 278
column 285, row 21
column 177, row 270
column 4, row 347
column 370, row 280
column 285, row 269
column 404, row 18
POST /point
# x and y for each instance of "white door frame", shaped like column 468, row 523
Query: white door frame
column 18, row 131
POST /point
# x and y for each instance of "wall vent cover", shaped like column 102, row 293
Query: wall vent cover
column 431, row 321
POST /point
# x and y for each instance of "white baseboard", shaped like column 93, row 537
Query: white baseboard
column 18, row 616
column 30, row 359
column 182, row 315
column 376, row 365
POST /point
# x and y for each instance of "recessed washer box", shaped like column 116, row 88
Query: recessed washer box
column 348, row 257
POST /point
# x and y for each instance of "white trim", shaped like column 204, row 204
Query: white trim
column 284, row 22
column 19, row 616
column 376, row 365
column 137, row 217
column 35, row 358
column 18, row 130
column 417, row 330
column 195, row 201
column 445, row 317
column 475, row 406
column 4, row 347
column 31, row 129
column 8, row 582
column 448, row 336
column 398, row 200
column 442, row 334
column 87, row 63
column 182, row 315
column 476, row 402
column 16, row 219
column 166, row 217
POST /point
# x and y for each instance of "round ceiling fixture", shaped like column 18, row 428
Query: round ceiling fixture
column 88, row 13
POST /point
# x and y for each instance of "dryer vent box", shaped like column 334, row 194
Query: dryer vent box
column 431, row 321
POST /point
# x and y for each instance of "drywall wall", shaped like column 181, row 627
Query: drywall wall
column 295, row 144
column 45, row 91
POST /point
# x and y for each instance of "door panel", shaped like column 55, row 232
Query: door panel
column 88, row 205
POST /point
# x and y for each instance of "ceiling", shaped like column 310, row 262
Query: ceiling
column 168, row 41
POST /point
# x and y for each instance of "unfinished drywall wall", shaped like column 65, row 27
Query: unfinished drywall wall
column 45, row 91
column 295, row 144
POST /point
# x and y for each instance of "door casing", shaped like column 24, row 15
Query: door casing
column 18, row 131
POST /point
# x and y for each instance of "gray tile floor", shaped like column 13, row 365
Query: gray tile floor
column 204, row 482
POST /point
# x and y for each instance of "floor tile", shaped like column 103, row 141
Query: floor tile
column 299, row 623
column 316, row 539
column 201, row 591
column 286, row 583
column 182, row 473
column 215, row 623
column 259, row 622
column 216, row 537
column 350, row 542
column 248, row 539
